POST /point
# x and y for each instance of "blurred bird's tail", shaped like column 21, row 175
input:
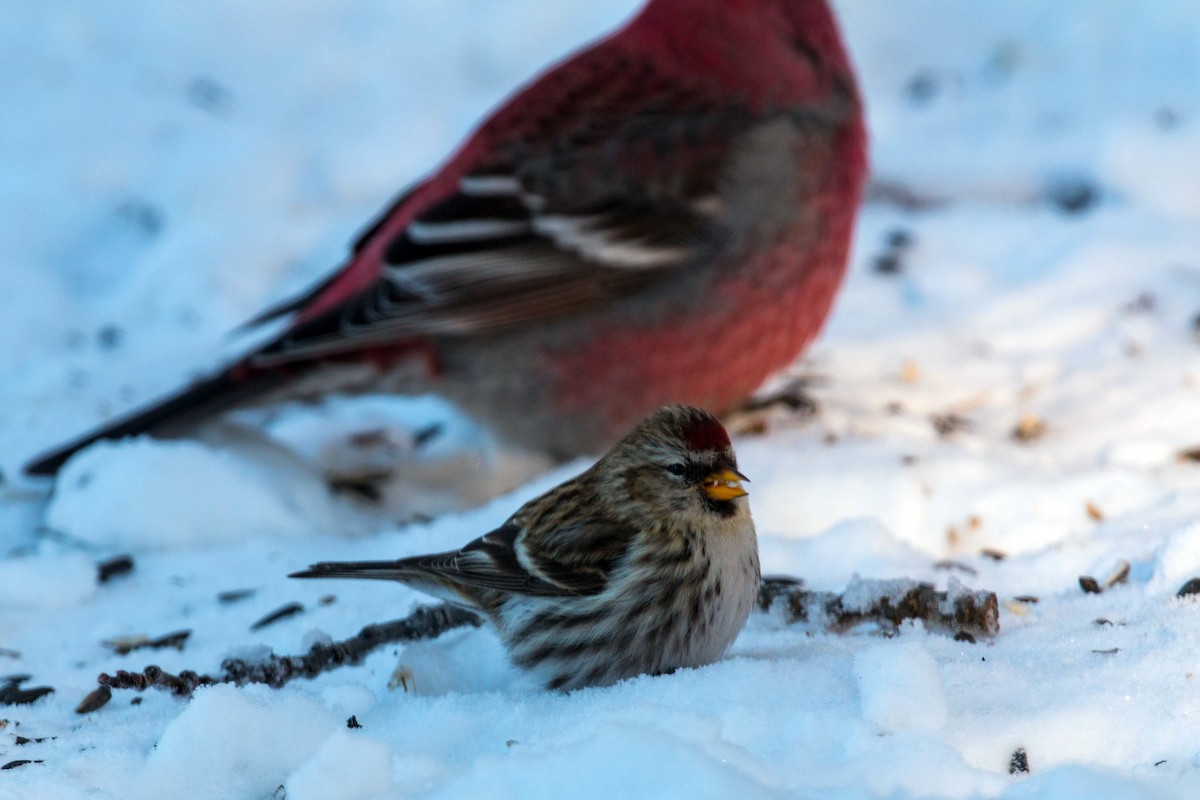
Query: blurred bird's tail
column 174, row 414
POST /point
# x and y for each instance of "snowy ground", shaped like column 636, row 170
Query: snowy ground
column 170, row 169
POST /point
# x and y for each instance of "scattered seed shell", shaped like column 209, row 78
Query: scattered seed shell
column 283, row 612
column 1029, row 428
column 123, row 645
column 1144, row 303
column 96, row 699
column 949, row 423
column 794, row 397
column 23, row 740
column 993, row 554
column 1016, row 607
column 1190, row 454
column 375, row 437
column 235, row 595
column 1191, row 587
column 367, row 490
column 353, row 723
column 950, row 564
column 756, row 426
column 1093, row 511
column 1089, row 584
column 114, row 567
column 402, row 678
column 887, row 263
column 1118, row 575
column 427, row 434
column 900, row 238
column 11, row 693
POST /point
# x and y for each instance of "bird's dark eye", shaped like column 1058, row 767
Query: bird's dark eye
column 677, row 469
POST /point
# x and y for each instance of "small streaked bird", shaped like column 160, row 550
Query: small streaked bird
column 643, row 564
column 664, row 217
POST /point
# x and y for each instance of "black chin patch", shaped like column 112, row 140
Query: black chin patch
column 722, row 508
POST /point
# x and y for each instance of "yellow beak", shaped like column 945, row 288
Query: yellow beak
column 725, row 484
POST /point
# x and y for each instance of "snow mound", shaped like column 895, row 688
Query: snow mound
column 148, row 494
column 900, row 687
column 230, row 743
column 347, row 766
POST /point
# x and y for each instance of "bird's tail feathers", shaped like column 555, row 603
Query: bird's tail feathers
column 367, row 570
column 171, row 415
column 404, row 571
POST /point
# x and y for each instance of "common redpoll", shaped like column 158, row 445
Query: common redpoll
column 664, row 217
column 645, row 563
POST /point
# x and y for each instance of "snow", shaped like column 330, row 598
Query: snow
column 47, row 581
column 214, row 747
column 900, row 688
column 170, row 170
column 347, row 765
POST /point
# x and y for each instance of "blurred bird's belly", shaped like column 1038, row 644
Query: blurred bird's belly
column 714, row 353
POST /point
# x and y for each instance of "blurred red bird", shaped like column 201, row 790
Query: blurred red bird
column 664, row 217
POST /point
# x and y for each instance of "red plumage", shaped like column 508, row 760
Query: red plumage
column 706, row 434
column 663, row 217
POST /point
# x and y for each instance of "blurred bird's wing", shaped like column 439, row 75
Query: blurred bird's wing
column 603, row 194
column 298, row 302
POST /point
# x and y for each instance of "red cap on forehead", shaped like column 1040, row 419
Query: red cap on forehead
column 705, row 433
